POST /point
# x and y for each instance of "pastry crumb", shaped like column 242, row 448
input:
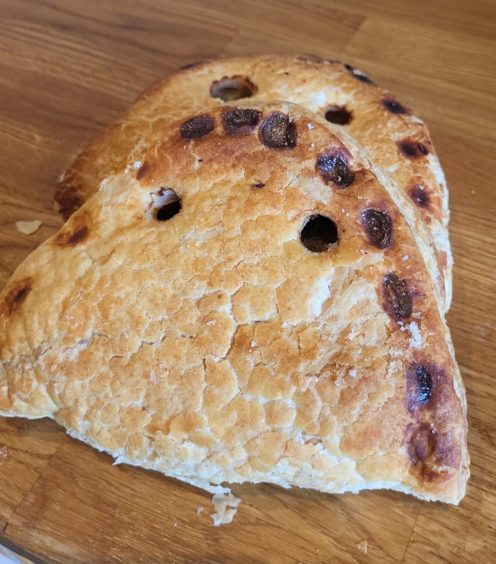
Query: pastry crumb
column 363, row 546
column 199, row 509
column 226, row 507
column 3, row 454
column 28, row 227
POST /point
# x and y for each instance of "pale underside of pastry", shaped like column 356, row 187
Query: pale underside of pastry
column 247, row 304
column 396, row 139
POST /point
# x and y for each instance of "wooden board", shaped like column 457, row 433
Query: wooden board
column 68, row 67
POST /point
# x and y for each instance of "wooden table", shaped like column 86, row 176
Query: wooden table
column 68, row 67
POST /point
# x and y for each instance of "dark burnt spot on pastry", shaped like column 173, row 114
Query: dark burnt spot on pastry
column 397, row 297
column 393, row 106
column 420, row 195
column 16, row 295
column 422, row 443
column 278, row 131
column 333, row 167
column 73, row 235
column 339, row 115
column 378, row 227
column 419, row 386
column 75, row 231
column 240, row 121
column 433, row 454
column 258, row 185
column 230, row 88
column 166, row 204
column 358, row 74
column 68, row 192
column 21, row 294
column 142, row 171
column 68, row 200
column 412, row 149
column 197, row 126
column 77, row 236
column 433, row 437
column 429, row 385
column 319, row 233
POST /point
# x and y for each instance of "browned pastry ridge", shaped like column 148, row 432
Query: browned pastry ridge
column 246, row 306
column 396, row 139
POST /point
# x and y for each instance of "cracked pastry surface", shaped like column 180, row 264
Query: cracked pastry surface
column 396, row 139
column 238, row 307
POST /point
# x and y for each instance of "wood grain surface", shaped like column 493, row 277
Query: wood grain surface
column 67, row 68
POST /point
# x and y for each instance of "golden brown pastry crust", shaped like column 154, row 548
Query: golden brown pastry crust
column 397, row 140
column 214, row 346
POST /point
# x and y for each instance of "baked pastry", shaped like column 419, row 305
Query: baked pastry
column 246, row 304
column 397, row 140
